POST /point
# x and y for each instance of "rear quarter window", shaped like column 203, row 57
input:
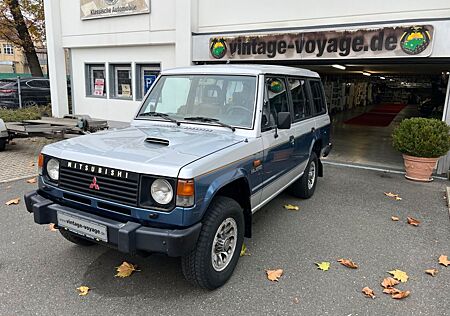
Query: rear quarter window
column 318, row 97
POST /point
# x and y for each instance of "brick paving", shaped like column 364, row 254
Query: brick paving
column 20, row 160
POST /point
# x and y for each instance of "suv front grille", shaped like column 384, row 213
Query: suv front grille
column 104, row 183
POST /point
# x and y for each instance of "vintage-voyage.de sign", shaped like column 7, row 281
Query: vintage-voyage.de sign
column 387, row 42
column 92, row 9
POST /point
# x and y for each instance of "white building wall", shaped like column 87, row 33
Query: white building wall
column 109, row 108
column 238, row 15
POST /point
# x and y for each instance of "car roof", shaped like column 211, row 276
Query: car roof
column 242, row 69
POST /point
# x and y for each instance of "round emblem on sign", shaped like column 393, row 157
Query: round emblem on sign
column 111, row 2
column 218, row 48
column 415, row 40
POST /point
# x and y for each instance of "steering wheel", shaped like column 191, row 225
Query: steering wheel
column 238, row 108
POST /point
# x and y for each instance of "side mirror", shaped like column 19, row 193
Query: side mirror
column 284, row 120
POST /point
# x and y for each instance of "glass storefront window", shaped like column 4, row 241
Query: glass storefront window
column 96, row 80
column 122, row 84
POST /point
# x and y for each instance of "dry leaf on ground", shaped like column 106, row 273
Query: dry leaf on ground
column 391, row 290
column 125, row 269
column 13, row 201
column 431, row 272
column 274, row 275
column 393, row 195
column 389, row 282
column 324, row 266
column 31, row 181
column 395, row 218
column 51, row 227
column 83, row 290
column 296, row 300
column 444, row 260
column 244, row 251
column 291, row 207
column 399, row 275
column 400, row 295
column 348, row 263
column 412, row 221
column 368, row 292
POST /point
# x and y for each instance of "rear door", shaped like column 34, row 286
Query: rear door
column 321, row 118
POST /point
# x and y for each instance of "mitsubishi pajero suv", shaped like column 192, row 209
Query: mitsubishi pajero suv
column 209, row 146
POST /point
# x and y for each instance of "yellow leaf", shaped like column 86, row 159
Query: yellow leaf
column 244, row 251
column 31, row 181
column 13, row 201
column 125, row 270
column 324, row 266
column 291, row 207
column 399, row 275
column 83, row 290
column 274, row 275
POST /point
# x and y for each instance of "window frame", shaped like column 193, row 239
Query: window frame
column 10, row 48
column 308, row 96
column 322, row 92
column 114, row 83
column 90, row 83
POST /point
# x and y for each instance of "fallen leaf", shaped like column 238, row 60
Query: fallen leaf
column 83, row 290
column 125, row 269
column 400, row 295
column 393, row 195
column 391, row 290
column 395, row 218
column 412, row 221
column 31, row 181
column 368, row 292
column 51, row 227
column 291, row 207
column 348, row 263
column 296, row 300
column 389, row 282
column 399, row 275
column 431, row 272
column 444, row 260
column 244, row 251
column 324, row 266
column 13, row 201
column 274, row 275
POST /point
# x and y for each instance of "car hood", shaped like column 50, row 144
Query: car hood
column 157, row 150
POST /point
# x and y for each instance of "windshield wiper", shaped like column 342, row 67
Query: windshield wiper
column 209, row 120
column 162, row 115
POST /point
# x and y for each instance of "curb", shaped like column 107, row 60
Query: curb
column 19, row 178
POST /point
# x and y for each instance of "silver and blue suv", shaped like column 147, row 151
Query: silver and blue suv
column 209, row 146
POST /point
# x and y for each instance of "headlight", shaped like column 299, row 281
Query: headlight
column 161, row 191
column 53, row 169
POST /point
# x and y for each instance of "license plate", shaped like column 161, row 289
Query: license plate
column 83, row 227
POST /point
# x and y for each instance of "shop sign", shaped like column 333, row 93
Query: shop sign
column 92, row 9
column 387, row 42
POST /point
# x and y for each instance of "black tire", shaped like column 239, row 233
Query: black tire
column 2, row 144
column 300, row 188
column 197, row 266
column 75, row 238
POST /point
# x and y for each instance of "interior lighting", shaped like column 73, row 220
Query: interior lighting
column 366, row 73
column 383, row 78
column 339, row 66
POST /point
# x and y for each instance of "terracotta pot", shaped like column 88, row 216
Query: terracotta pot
column 419, row 169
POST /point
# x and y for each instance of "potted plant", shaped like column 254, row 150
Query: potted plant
column 422, row 141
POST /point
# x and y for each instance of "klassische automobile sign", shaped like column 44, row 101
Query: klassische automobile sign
column 91, row 9
column 386, row 42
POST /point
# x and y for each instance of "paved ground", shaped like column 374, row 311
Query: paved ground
column 348, row 217
column 19, row 158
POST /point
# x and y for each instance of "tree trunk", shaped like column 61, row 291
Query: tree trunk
column 25, row 38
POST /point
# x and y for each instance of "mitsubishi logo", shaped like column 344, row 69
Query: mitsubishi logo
column 94, row 184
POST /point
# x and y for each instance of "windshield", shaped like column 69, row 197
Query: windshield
column 226, row 99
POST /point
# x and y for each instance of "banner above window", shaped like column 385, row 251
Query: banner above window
column 93, row 9
column 386, row 42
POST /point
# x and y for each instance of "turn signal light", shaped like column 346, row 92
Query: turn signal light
column 40, row 163
column 185, row 193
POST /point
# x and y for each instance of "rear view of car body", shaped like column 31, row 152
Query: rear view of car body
column 33, row 91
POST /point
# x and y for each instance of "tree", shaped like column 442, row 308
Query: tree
column 22, row 24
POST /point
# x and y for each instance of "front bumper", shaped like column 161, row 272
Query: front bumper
column 129, row 237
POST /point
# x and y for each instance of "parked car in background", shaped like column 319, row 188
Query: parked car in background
column 34, row 91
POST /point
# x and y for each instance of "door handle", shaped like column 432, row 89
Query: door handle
column 292, row 140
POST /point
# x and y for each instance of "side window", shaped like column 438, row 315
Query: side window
column 275, row 101
column 300, row 99
column 318, row 97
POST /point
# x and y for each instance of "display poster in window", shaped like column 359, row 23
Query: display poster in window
column 94, row 9
column 404, row 41
column 148, row 82
column 126, row 90
column 99, row 87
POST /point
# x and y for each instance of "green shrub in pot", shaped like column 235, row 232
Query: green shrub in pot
column 422, row 137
